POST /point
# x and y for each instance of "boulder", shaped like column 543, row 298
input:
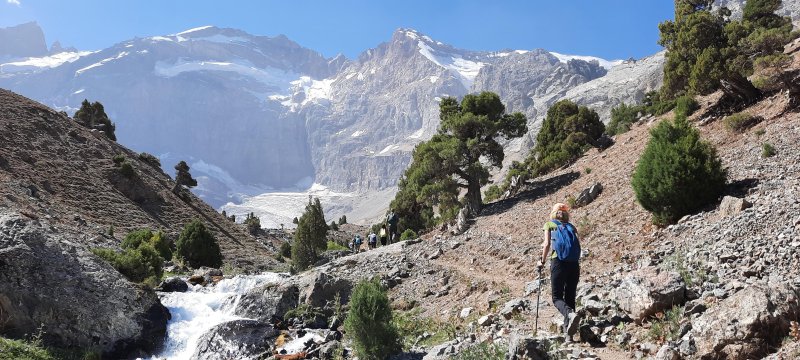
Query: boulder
column 746, row 324
column 47, row 279
column 316, row 288
column 514, row 307
column 648, row 291
column 521, row 347
column 732, row 205
column 667, row 352
column 588, row 195
column 238, row 339
column 267, row 302
column 173, row 284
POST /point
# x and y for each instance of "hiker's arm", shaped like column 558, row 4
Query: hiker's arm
column 545, row 247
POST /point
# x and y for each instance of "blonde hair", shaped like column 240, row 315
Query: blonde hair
column 560, row 215
column 560, row 212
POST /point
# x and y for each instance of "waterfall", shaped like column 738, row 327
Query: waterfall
column 197, row 310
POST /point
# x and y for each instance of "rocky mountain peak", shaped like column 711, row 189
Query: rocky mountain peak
column 24, row 40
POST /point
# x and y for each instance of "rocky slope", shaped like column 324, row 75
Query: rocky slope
column 61, row 196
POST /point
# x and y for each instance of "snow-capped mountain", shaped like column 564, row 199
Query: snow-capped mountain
column 255, row 114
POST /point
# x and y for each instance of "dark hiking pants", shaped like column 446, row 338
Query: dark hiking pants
column 564, row 281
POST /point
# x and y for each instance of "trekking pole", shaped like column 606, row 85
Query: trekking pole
column 538, row 295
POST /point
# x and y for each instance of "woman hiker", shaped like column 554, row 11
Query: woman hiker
column 564, row 264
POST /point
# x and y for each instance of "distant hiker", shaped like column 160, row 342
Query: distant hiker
column 357, row 243
column 391, row 222
column 383, row 235
column 564, row 264
column 372, row 240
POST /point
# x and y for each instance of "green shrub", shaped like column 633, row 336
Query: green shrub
column 667, row 325
column 588, row 170
column 369, row 322
column 767, row 150
column 285, row 250
column 150, row 159
column 408, row 234
column 137, row 264
column 332, row 245
column 760, row 132
column 126, row 169
column 22, row 350
column 678, row 173
column 685, row 105
column 198, row 247
column 333, row 226
column 622, row 117
column 492, row 193
column 741, row 121
column 567, row 132
column 118, row 159
column 482, row 351
column 157, row 239
column 343, row 220
column 253, row 223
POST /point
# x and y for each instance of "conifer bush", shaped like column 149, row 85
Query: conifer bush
column 369, row 322
column 137, row 264
column 156, row 239
column 198, row 247
column 409, row 234
column 741, row 121
column 678, row 173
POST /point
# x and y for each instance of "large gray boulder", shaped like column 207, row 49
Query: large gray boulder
column 238, row 339
column 48, row 279
column 316, row 289
column 588, row 195
column 647, row 291
column 747, row 324
column 267, row 302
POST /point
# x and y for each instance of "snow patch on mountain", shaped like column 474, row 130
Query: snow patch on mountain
column 195, row 30
column 608, row 64
column 102, row 62
column 37, row 64
column 280, row 207
column 280, row 80
column 465, row 70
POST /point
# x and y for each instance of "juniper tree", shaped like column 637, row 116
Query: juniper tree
column 457, row 158
column 183, row 177
column 93, row 116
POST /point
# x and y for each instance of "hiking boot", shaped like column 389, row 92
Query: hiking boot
column 572, row 321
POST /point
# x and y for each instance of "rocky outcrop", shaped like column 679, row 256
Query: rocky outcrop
column 318, row 289
column 268, row 302
column 588, row 195
column 238, row 339
column 645, row 292
column 21, row 41
column 731, row 206
column 747, row 324
column 173, row 284
column 48, row 280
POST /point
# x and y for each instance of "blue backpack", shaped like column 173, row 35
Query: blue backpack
column 565, row 242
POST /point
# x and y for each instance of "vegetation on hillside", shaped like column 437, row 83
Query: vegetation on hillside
column 707, row 50
column 678, row 173
column 183, row 179
column 93, row 116
column 458, row 157
column 198, row 246
column 310, row 237
column 369, row 322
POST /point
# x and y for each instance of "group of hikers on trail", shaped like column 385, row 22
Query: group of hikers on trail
column 562, row 248
column 388, row 234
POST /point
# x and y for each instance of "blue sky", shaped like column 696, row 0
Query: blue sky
column 612, row 29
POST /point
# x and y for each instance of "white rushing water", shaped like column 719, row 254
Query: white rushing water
column 200, row 308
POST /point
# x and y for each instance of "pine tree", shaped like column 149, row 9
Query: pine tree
column 93, row 116
column 678, row 173
column 369, row 322
column 458, row 157
column 310, row 237
column 567, row 132
column 198, row 246
column 183, row 177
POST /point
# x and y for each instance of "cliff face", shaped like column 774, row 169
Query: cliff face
column 25, row 40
